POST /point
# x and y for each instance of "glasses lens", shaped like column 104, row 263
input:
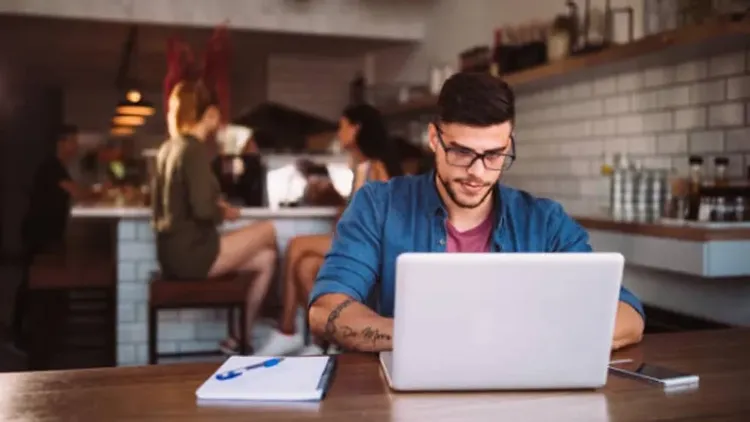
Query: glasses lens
column 491, row 162
column 460, row 158
column 497, row 161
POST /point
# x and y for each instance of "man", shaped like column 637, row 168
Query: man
column 459, row 207
column 52, row 193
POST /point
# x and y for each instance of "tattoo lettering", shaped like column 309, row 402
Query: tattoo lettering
column 348, row 332
column 366, row 335
column 330, row 328
column 374, row 335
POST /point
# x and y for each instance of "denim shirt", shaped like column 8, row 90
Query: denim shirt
column 406, row 214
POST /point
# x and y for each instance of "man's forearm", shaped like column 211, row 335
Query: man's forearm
column 350, row 324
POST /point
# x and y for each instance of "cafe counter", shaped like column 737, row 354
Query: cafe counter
column 179, row 330
column 695, row 269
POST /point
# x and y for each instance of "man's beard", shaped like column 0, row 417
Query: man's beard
column 452, row 193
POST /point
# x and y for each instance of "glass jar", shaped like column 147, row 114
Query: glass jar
column 721, row 165
column 696, row 173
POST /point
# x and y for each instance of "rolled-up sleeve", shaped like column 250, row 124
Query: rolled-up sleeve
column 351, row 266
column 201, row 184
column 566, row 235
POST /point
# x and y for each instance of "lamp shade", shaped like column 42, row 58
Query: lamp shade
column 135, row 105
column 128, row 120
column 121, row 131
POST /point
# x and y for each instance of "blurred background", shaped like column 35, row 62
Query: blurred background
column 629, row 111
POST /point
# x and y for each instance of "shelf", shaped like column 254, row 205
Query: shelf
column 691, row 37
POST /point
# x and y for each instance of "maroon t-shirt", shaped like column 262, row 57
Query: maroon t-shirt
column 472, row 240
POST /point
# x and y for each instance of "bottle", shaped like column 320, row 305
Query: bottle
column 696, row 173
column 436, row 80
column 608, row 164
column 720, row 175
column 617, row 195
column 739, row 209
column 719, row 210
column 705, row 210
column 497, row 57
column 695, row 204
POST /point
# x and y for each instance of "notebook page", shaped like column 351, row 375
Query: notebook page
column 291, row 379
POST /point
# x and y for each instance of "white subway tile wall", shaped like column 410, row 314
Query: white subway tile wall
column 316, row 85
column 659, row 115
column 179, row 330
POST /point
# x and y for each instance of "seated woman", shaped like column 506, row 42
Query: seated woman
column 187, row 207
column 363, row 134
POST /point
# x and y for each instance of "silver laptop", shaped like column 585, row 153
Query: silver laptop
column 501, row 321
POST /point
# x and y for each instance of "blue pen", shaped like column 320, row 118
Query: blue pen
column 234, row 373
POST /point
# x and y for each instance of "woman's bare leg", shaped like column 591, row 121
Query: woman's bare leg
column 251, row 248
column 263, row 264
column 307, row 272
column 239, row 247
column 297, row 248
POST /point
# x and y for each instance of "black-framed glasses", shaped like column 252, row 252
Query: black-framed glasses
column 466, row 157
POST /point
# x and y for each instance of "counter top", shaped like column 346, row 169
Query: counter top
column 111, row 211
column 672, row 229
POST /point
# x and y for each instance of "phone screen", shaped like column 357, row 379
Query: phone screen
column 651, row 371
column 658, row 372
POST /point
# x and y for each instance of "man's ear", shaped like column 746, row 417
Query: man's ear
column 432, row 133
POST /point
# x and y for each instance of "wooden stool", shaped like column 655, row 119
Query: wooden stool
column 224, row 292
column 72, row 302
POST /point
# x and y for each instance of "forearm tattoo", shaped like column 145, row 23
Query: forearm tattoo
column 330, row 329
column 362, row 338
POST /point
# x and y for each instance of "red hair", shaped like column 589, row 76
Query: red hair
column 213, row 72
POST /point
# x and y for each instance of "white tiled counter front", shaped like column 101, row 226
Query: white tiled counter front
column 189, row 329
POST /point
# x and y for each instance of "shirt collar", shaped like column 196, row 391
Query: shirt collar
column 435, row 204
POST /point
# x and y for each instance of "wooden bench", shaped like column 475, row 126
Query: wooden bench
column 225, row 292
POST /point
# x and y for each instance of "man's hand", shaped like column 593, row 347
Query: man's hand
column 629, row 326
column 77, row 192
column 350, row 324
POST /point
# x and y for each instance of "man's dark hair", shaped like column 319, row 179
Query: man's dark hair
column 476, row 99
column 65, row 131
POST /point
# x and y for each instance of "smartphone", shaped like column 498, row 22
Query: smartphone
column 656, row 374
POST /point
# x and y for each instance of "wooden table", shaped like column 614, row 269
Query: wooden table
column 359, row 394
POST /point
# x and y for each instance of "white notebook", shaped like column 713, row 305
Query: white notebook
column 268, row 379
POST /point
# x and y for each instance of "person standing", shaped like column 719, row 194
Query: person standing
column 53, row 193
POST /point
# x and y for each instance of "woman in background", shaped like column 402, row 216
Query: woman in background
column 415, row 159
column 187, row 207
column 362, row 132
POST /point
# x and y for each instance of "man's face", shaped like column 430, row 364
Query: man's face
column 68, row 147
column 468, row 179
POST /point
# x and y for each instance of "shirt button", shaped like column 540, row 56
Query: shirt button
column 442, row 242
